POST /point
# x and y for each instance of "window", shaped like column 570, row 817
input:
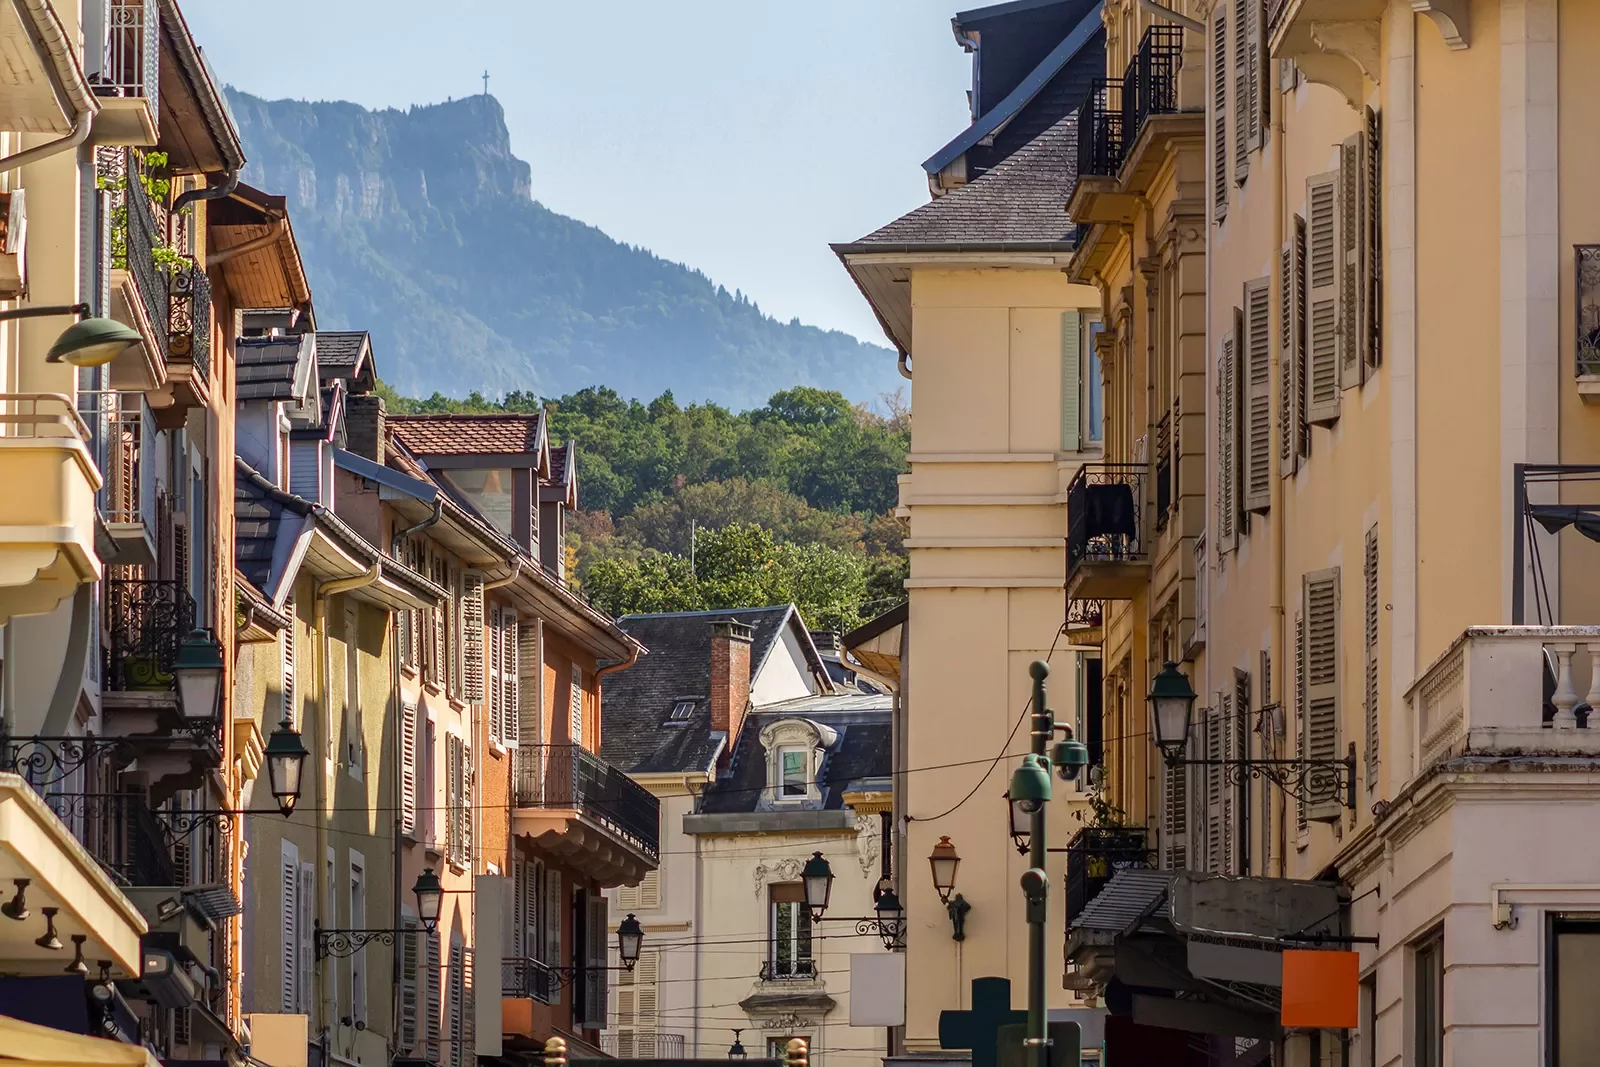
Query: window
column 1367, row 1035
column 1428, row 998
column 411, row 953
column 1574, row 970
column 794, row 765
column 681, row 711
column 789, row 951
column 358, row 921
column 409, row 723
column 1320, row 711
column 1082, row 398
column 1095, row 387
column 489, row 491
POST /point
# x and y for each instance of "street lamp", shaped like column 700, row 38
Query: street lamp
column 1020, row 823
column 1029, row 796
column 430, row 899
column 891, row 919
column 337, row 944
column 944, row 862
column 630, row 935
column 1171, row 710
column 88, row 343
column 198, row 669
column 736, row 1051
column 817, row 877
column 286, row 759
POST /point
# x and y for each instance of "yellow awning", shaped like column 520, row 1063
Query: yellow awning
column 35, row 1044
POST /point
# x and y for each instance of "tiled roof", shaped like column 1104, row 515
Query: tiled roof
column 258, row 508
column 467, row 435
column 340, row 350
column 635, row 702
column 563, row 463
column 861, row 754
column 265, row 367
column 1020, row 202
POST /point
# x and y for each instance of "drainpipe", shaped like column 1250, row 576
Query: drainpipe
column 905, row 365
column 211, row 192
column 401, row 535
column 1168, row 15
column 80, row 133
column 1279, row 842
column 500, row 583
column 46, row 34
column 279, row 228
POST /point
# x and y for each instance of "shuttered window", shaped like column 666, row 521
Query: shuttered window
column 529, row 686
column 495, row 694
column 304, row 953
column 454, row 756
column 1244, row 130
column 289, row 639
column 1175, row 818
column 455, row 1010
column 595, row 991
column 1321, row 611
column 410, row 993
column 1071, row 381
column 433, row 994
column 1292, row 435
column 1219, row 115
column 354, row 741
column 554, row 908
column 510, row 683
column 469, row 1009
column 1322, row 297
column 1369, row 582
column 1373, row 238
column 1217, row 814
column 1227, row 508
column 638, row 1006
column 1352, row 256
column 409, row 729
column 289, row 924
column 1239, row 795
column 1257, row 362
column 575, row 726
column 471, row 636
column 1299, row 717
column 469, row 812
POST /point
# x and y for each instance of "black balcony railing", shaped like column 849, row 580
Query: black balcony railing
column 189, row 317
column 787, row 970
column 1100, row 129
column 1105, row 515
column 1096, row 853
column 146, row 621
column 1150, row 82
column 571, row 777
column 124, row 836
column 521, row 976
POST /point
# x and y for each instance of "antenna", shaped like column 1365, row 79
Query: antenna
column 485, row 83
column 691, row 549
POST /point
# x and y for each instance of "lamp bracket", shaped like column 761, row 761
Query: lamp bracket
column 1313, row 781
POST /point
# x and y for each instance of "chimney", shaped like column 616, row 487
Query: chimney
column 363, row 425
column 730, row 675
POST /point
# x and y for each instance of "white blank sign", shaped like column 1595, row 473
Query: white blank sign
column 878, row 989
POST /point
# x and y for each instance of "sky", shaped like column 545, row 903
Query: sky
column 737, row 136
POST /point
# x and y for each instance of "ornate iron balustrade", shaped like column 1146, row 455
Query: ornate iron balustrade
column 643, row 1044
column 131, row 842
column 1105, row 515
column 135, row 229
column 189, row 317
column 147, row 620
column 1150, row 82
column 1094, row 854
column 1100, row 129
column 787, row 970
column 521, row 976
column 132, row 58
column 124, row 426
column 1085, row 615
column 571, row 777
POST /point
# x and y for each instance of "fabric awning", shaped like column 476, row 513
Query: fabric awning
column 1557, row 517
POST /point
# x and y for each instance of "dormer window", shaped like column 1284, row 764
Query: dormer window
column 794, row 749
column 680, row 714
column 794, row 767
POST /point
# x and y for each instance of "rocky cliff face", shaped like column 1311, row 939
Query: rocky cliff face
column 421, row 226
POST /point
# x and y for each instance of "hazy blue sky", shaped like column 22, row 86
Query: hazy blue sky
column 738, row 136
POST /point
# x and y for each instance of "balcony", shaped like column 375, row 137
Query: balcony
column 47, row 528
column 146, row 619
column 1154, row 123
column 527, row 979
column 128, row 81
column 1095, row 854
column 643, row 1045
column 577, row 805
column 1108, row 549
column 124, row 428
column 787, row 971
column 1509, row 691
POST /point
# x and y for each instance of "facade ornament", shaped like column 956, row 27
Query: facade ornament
column 1355, row 39
column 784, row 870
column 1451, row 18
column 789, row 1021
column 868, row 842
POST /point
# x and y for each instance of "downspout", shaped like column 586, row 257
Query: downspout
column 1279, row 842
column 279, row 228
column 75, row 97
column 1166, row 14
column 401, row 535
column 210, row 192
column 498, row 583
column 80, row 133
column 905, row 365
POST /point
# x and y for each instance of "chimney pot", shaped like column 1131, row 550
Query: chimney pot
column 730, row 675
column 363, row 422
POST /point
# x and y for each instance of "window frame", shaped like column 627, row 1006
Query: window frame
column 1427, row 957
column 800, row 940
column 782, row 793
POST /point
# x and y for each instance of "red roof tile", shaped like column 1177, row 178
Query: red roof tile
column 467, row 435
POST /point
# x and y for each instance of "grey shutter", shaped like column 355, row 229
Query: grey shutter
column 595, row 992
column 1372, row 307
column 1302, row 425
column 410, row 967
column 1290, row 269
column 1322, row 297
column 1071, row 381
column 554, row 907
column 510, row 677
column 1226, row 508
column 1219, row 115
column 471, row 637
column 453, row 798
column 469, row 815
column 457, row 1016
column 305, row 951
column 290, row 637
column 1258, row 396
column 469, row 1008
column 1369, row 582
column 1238, row 748
column 1216, row 788
column 289, row 916
column 1354, row 332
column 1244, row 131
column 1321, row 609
column 494, row 684
column 1298, row 718
column 432, row 1004
column 529, row 727
column 1175, row 818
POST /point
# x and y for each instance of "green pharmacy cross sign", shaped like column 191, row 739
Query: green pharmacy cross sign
column 994, row 1031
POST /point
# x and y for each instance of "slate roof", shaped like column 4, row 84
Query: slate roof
column 467, row 435
column 637, row 701
column 862, row 755
column 259, row 507
column 339, row 351
column 1020, row 202
column 266, row 366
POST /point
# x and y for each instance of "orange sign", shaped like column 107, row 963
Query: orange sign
column 1321, row 990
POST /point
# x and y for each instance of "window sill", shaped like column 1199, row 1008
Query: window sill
column 497, row 749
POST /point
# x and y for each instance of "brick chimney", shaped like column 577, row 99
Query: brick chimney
column 730, row 675
column 363, row 425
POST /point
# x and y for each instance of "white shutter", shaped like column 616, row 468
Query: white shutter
column 409, row 711
column 1175, row 818
column 554, row 909
column 1372, row 240
column 647, row 1002
column 432, row 1000
column 1257, row 362
column 305, row 953
column 1369, row 581
column 469, row 814
column 576, row 725
column 1227, row 438
column 1219, row 114
column 1322, row 297
column 1291, row 372
column 457, row 995
column 511, row 676
column 1299, row 725
column 469, row 1009
column 1238, row 748
column 494, row 685
column 641, row 897
column 471, row 616
column 410, row 967
column 289, row 639
column 453, row 799
column 1071, row 381
column 289, row 916
column 1215, row 789
column 1321, row 609
column 1353, row 332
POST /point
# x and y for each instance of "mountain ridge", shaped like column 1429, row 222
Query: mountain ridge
column 421, row 226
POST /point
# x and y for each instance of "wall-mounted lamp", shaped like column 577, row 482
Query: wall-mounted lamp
column 944, row 862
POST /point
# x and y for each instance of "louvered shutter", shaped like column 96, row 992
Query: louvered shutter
column 628, row 897
column 1244, row 132
column 595, row 991
column 647, row 988
column 553, row 911
column 452, row 777
column 576, row 725
column 510, row 677
column 469, row 1009
column 1372, row 306
column 1238, row 749
column 290, row 638
column 469, row 814
column 305, row 953
column 1257, row 362
column 410, row 967
column 439, row 674
column 1321, row 609
column 1322, row 297
column 408, row 767
column 1369, row 581
column 1219, row 115
column 627, row 1013
column 1291, row 370
column 433, row 1000
column 457, row 1016
column 1299, row 722
column 1216, row 789
column 1175, row 816
column 1302, row 424
column 471, row 637
column 650, row 890
column 289, row 916
column 1353, row 334
column 1226, row 508
column 494, row 690
column 1071, row 382
column 530, row 729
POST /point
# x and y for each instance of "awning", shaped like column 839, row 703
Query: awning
column 31, row 1043
column 1133, row 895
column 1557, row 517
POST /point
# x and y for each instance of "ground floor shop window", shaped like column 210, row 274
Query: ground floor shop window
column 1574, row 972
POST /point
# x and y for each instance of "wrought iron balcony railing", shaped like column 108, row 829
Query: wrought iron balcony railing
column 1094, row 854
column 521, row 976
column 124, row 428
column 146, row 621
column 787, row 970
column 129, row 840
column 1150, row 82
column 189, row 317
column 643, row 1045
column 571, row 777
column 1101, row 142
column 1105, row 515
column 132, row 57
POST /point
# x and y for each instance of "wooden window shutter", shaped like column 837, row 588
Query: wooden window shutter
column 650, row 889
column 1219, row 115
column 438, row 673
column 408, row 768
column 530, row 728
column 1369, row 582
column 291, row 710
column 1258, row 404
column 1291, row 370
column 494, row 688
column 553, row 909
column 469, row 1009
column 1246, row 120
column 452, row 775
column 628, row 897
column 595, row 992
column 1372, row 183
column 647, row 987
column 1238, row 748
column 1299, row 710
column 471, row 616
column 1175, row 818
column 1321, row 610
column 510, row 676
column 433, row 999
column 289, row 915
column 1353, row 332
column 1226, row 527
column 1071, row 381
column 457, row 1016
column 410, row 970
column 1216, row 825
column 469, row 815
column 575, row 726
column 305, row 955
column 1322, row 298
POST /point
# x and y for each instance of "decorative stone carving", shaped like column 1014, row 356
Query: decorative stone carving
column 790, row 734
column 789, row 1022
column 1451, row 18
column 784, row 870
column 868, row 843
column 1356, row 40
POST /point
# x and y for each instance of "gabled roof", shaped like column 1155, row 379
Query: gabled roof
column 346, row 354
column 562, row 482
column 636, row 702
column 197, row 128
column 273, row 368
column 989, row 123
column 476, row 435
